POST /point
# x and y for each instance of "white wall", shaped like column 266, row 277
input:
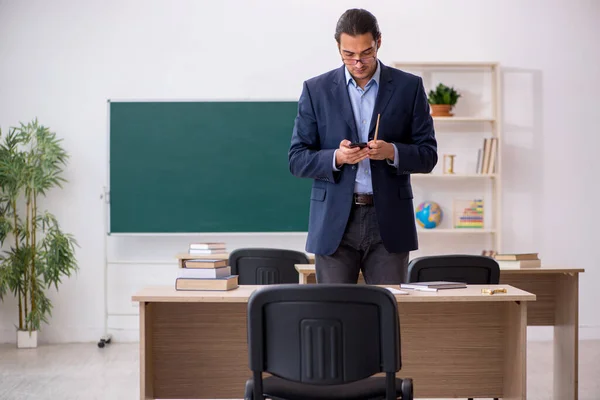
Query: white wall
column 61, row 61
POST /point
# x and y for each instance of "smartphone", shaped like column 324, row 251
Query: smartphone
column 362, row 145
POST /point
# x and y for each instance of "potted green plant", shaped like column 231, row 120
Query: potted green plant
column 442, row 100
column 36, row 252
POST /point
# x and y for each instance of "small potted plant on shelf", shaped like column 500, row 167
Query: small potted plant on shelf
column 442, row 99
column 36, row 252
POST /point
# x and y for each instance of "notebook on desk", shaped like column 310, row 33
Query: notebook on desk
column 433, row 286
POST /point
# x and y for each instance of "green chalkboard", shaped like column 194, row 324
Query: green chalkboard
column 186, row 166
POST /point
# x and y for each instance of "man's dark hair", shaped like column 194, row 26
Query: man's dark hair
column 355, row 22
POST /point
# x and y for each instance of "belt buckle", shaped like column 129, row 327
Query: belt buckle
column 357, row 202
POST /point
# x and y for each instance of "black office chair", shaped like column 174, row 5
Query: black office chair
column 324, row 342
column 263, row 266
column 470, row 269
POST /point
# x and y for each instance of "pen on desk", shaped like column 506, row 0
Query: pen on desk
column 426, row 289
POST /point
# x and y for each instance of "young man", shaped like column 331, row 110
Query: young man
column 361, row 207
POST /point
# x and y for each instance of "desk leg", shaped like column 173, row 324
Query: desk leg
column 566, row 338
column 515, row 361
column 146, row 383
column 301, row 278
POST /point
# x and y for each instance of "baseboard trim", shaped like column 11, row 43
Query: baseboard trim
column 124, row 335
column 588, row 332
column 50, row 335
column 546, row 333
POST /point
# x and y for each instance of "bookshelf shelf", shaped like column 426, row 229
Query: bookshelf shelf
column 453, row 176
column 441, row 65
column 463, row 119
column 480, row 112
column 457, row 231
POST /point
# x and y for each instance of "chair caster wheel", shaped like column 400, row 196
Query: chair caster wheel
column 104, row 340
column 407, row 389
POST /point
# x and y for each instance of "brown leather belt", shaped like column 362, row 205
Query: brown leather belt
column 361, row 199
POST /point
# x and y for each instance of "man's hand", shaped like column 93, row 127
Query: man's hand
column 380, row 150
column 347, row 155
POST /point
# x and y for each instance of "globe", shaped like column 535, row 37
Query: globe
column 429, row 214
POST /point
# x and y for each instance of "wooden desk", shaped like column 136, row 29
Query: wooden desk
column 557, row 304
column 455, row 343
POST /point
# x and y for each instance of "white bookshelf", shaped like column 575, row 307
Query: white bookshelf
column 452, row 176
column 463, row 119
column 456, row 231
column 446, row 65
column 477, row 116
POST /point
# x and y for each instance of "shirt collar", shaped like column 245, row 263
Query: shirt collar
column 374, row 78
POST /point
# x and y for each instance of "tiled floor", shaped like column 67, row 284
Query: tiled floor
column 83, row 371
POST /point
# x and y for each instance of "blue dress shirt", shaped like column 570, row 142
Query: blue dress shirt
column 363, row 103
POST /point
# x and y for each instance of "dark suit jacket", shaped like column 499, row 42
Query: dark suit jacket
column 325, row 118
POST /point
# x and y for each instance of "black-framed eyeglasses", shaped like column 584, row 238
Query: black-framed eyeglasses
column 354, row 61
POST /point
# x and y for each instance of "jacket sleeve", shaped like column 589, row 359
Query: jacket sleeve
column 305, row 156
column 421, row 155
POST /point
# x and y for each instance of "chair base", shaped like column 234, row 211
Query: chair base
column 372, row 389
column 495, row 398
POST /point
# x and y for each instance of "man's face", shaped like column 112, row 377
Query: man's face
column 361, row 47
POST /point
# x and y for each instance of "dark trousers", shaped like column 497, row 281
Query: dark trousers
column 361, row 249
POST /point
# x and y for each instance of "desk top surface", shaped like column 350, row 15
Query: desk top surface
column 310, row 268
column 473, row 293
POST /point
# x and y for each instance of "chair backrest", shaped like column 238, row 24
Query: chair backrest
column 323, row 334
column 470, row 269
column 263, row 266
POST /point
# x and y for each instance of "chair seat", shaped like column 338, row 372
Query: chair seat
column 369, row 388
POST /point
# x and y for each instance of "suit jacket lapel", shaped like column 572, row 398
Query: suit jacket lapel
column 340, row 94
column 384, row 94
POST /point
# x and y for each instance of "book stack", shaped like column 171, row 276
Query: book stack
column 518, row 260
column 204, row 273
column 207, row 248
